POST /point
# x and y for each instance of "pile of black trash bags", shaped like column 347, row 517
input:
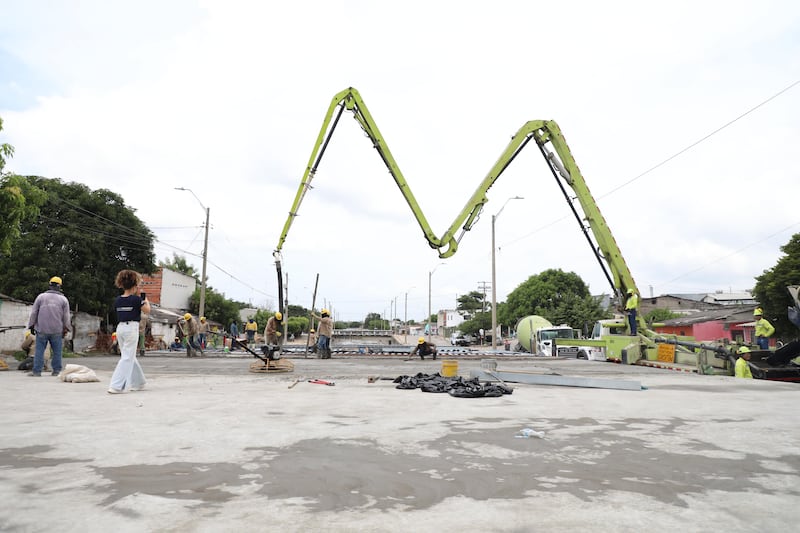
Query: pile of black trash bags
column 454, row 386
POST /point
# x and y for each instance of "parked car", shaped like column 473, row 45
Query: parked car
column 459, row 339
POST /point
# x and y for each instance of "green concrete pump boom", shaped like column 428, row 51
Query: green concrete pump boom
column 553, row 147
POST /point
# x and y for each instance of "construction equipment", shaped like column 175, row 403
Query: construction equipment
column 547, row 135
column 322, row 382
column 270, row 356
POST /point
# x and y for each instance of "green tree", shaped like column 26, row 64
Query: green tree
column 560, row 297
column 297, row 325
column 374, row 321
column 178, row 264
column 476, row 323
column 218, row 308
column 262, row 315
column 659, row 315
column 19, row 200
column 83, row 236
column 470, row 303
column 6, row 151
column 770, row 289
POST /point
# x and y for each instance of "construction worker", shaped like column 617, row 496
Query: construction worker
column 424, row 348
column 312, row 341
column 49, row 321
column 250, row 329
column 764, row 329
column 325, row 333
column 192, row 345
column 273, row 331
column 202, row 332
column 742, row 365
column 631, row 307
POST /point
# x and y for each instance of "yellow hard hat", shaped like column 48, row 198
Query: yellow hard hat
column 311, row 331
column 55, row 279
column 278, row 315
column 630, row 291
column 743, row 349
column 325, row 312
column 114, row 335
column 187, row 316
column 202, row 319
column 27, row 334
column 421, row 340
column 758, row 311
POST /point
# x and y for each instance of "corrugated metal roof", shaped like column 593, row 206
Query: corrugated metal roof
column 732, row 314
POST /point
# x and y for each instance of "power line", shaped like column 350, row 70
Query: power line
column 665, row 161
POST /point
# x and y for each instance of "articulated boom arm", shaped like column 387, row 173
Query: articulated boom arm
column 350, row 100
column 553, row 147
column 605, row 247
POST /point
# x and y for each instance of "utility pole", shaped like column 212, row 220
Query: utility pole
column 202, row 307
column 494, row 276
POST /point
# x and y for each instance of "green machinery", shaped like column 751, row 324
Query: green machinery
column 551, row 143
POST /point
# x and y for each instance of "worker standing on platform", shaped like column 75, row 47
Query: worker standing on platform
column 742, row 365
column 631, row 307
column 764, row 329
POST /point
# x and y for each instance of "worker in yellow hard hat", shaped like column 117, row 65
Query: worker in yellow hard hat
column 250, row 330
column 742, row 365
column 273, row 333
column 631, row 308
column 424, row 348
column 191, row 330
column 764, row 330
column 50, row 322
column 325, row 333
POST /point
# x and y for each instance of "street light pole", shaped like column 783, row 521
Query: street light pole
column 428, row 321
column 202, row 307
column 405, row 318
column 494, row 276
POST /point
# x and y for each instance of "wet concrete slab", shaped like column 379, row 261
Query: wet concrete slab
column 211, row 447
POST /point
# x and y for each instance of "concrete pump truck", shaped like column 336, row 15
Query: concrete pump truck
column 547, row 136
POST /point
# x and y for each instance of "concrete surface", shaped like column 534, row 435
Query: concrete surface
column 211, row 447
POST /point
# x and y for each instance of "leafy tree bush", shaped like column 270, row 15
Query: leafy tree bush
column 83, row 236
column 659, row 315
column 560, row 297
column 770, row 289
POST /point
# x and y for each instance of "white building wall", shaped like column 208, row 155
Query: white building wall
column 176, row 289
column 13, row 313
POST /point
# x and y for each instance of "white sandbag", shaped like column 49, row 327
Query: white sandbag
column 78, row 374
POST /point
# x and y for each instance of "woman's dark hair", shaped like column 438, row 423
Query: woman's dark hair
column 127, row 279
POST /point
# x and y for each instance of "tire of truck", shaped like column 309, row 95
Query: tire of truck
column 582, row 355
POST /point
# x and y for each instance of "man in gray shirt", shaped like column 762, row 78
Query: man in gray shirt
column 49, row 321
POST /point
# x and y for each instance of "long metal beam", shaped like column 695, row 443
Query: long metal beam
column 563, row 381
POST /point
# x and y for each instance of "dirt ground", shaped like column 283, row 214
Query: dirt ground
column 209, row 446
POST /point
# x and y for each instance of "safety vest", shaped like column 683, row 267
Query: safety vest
column 743, row 369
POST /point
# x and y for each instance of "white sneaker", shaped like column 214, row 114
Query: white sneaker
column 115, row 391
column 142, row 387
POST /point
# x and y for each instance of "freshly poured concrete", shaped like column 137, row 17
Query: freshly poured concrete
column 212, row 447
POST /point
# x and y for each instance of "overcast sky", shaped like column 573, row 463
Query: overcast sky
column 227, row 98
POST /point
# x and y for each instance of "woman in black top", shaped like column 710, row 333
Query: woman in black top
column 129, row 306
